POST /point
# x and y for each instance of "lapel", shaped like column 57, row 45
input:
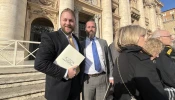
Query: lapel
column 83, row 46
column 62, row 38
column 77, row 42
column 102, row 46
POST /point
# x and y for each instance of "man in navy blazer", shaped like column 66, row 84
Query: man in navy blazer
column 61, row 84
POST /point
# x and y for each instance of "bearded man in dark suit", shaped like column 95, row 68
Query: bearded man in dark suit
column 61, row 83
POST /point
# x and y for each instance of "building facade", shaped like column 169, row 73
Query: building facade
column 169, row 20
column 28, row 19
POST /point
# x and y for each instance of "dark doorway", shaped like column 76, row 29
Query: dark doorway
column 39, row 26
column 83, row 18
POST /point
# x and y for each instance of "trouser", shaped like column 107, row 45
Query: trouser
column 95, row 87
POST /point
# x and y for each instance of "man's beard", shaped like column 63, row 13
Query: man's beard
column 67, row 33
column 90, row 35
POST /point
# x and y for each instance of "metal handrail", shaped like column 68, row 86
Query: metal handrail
column 14, row 45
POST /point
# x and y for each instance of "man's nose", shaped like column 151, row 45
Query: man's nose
column 68, row 22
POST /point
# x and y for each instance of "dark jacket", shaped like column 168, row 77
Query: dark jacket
column 166, row 65
column 139, row 74
column 113, row 51
column 57, row 88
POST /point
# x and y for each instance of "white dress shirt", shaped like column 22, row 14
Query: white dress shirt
column 89, row 60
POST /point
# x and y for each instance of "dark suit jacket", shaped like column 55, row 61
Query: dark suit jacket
column 139, row 74
column 107, row 56
column 57, row 88
column 166, row 65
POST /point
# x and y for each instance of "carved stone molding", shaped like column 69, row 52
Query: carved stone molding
column 93, row 2
column 97, row 16
column 34, row 11
column 46, row 2
column 77, row 9
column 49, row 3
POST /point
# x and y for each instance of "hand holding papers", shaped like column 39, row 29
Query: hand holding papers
column 69, row 57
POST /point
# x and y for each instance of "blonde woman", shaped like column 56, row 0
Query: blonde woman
column 135, row 75
column 153, row 47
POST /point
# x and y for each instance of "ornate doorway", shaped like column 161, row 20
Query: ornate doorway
column 39, row 26
column 83, row 18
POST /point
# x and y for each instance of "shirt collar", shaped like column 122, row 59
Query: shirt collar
column 88, row 39
column 66, row 34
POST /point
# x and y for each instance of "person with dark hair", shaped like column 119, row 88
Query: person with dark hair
column 61, row 83
column 98, row 64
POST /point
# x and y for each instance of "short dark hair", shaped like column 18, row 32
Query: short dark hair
column 91, row 20
column 68, row 10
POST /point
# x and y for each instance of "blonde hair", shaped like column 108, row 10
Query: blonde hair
column 153, row 45
column 70, row 11
column 129, row 35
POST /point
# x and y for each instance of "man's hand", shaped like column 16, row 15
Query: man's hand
column 71, row 72
column 111, row 81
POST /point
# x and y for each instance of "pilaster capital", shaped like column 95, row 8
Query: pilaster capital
column 150, row 4
column 77, row 9
column 97, row 16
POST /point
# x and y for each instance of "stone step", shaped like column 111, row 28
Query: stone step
column 22, row 78
column 16, row 70
column 21, row 84
column 19, row 75
column 38, row 98
column 21, row 91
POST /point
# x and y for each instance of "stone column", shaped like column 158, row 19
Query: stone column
column 13, row 14
column 124, row 12
column 97, row 17
column 142, row 14
column 107, row 26
column 77, row 10
column 152, row 17
column 160, row 19
column 63, row 5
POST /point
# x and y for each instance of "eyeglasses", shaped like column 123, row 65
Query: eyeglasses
column 167, row 36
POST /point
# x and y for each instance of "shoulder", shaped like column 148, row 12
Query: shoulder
column 102, row 41
column 50, row 34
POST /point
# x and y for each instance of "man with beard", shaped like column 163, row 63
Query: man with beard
column 98, row 64
column 61, row 84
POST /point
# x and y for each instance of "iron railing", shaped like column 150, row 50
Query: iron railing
column 16, row 53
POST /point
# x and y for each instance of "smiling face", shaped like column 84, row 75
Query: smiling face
column 67, row 22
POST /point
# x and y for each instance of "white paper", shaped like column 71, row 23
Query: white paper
column 69, row 57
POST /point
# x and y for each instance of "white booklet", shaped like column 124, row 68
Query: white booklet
column 69, row 57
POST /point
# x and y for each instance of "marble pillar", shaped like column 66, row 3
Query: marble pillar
column 142, row 14
column 152, row 17
column 107, row 25
column 97, row 17
column 77, row 10
column 12, row 19
column 124, row 12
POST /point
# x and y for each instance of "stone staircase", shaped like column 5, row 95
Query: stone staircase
column 21, row 83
